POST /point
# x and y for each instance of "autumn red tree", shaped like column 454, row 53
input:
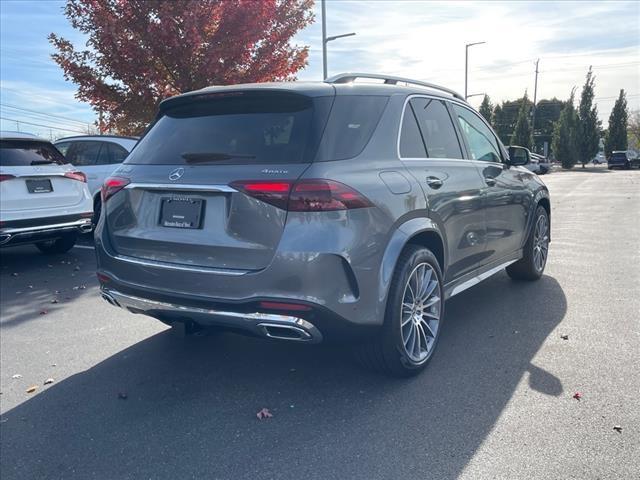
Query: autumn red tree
column 139, row 52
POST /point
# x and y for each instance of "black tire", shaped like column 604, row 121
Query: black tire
column 610, row 168
column 385, row 352
column 526, row 268
column 97, row 208
column 60, row 245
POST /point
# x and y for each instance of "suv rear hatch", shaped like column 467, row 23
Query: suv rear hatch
column 35, row 176
column 177, row 206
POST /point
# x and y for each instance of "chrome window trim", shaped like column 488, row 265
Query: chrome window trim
column 453, row 100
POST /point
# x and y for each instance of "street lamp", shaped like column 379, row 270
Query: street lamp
column 326, row 40
column 466, row 64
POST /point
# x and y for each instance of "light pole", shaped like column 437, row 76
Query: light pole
column 326, row 39
column 466, row 64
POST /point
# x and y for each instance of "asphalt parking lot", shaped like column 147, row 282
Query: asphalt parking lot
column 130, row 400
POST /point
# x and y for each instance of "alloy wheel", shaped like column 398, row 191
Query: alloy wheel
column 420, row 313
column 540, row 243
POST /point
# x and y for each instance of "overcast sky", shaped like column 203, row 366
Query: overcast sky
column 417, row 39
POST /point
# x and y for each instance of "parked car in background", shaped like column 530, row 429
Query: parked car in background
column 599, row 158
column 544, row 166
column 623, row 159
column 319, row 210
column 43, row 199
column 97, row 156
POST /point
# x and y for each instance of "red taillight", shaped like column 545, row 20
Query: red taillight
column 4, row 177
column 284, row 306
column 79, row 176
column 310, row 195
column 113, row 185
column 102, row 278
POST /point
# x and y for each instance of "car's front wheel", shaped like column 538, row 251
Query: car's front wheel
column 534, row 259
column 413, row 318
column 60, row 245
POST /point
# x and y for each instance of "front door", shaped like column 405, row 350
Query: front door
column 505, row 197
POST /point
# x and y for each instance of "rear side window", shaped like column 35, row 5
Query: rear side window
column 350, row 126
column 23, row 153
column 480, row 139
column 437, row 128
column 111, row 154
column 235, row 128
column 84, row 154
column 63, row 147
column 411, row 144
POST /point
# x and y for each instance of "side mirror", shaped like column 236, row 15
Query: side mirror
column 519, row 155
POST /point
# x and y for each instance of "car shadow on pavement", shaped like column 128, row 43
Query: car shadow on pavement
column 33, row 285
column 186, row 408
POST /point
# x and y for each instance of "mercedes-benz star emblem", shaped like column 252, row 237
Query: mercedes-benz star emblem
column 176, row 174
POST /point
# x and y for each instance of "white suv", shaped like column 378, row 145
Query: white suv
column 43, row 200
column 97, row 156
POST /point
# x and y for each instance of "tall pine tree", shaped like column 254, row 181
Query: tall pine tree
column 616, row 138
column 522, row 133
column 563, row 144
column 588, row 134
column 486, row 108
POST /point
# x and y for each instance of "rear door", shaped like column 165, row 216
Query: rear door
column 84, row 154
column 430, row 149
column 505, row 195
column 110, row 157
column 32, row 179
column 179, row 206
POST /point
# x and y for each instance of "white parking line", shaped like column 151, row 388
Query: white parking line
column 87, row 247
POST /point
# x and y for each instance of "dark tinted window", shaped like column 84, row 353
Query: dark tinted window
column 411, row 144
column 83, row 153
column 235, row 128
column 112, row 153
column 437, row 128
column 480, row 139
column 21, row 153
column 63, row 147
column 619, row 156
column 350, row 126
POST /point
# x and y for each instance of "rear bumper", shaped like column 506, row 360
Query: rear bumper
column 36, row 230
column 271, row 325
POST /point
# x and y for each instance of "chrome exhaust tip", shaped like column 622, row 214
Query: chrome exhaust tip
column 109, row 299
column 285, row 332
column 86, row 228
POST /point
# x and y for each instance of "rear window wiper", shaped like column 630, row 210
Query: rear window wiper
column 203, row 157
column 43, row 162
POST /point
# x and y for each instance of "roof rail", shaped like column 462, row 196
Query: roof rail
column 391, row 80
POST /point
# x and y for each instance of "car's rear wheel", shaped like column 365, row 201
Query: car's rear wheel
column 531, row 265
column 413, row 318
column 60, row 245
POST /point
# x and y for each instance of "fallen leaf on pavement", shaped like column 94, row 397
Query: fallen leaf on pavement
column 564, row 337
column 48, row 381
column 577, row 395
column 55, row 300
column 43, row 312
column 264, row 413
column 32, row 388
column 617, row 428
column 17, row 375
column 122, row 395
column 76, row 268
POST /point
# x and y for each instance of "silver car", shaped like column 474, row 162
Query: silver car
column 319, row 211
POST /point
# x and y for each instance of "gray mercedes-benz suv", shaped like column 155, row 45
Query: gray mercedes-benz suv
column 314, row 211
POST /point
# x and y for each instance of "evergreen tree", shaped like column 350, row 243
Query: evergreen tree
column 522, row 133
column 588, row 135
column 564, row 145
column 486, row 108
column 617, row 133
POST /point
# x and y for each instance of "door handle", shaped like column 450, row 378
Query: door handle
column 490, row 181
column 434, row 182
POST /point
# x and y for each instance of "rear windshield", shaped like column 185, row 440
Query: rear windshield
column 23, row 153
column 260, row 128
column 620, row 156
column 245, row 128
